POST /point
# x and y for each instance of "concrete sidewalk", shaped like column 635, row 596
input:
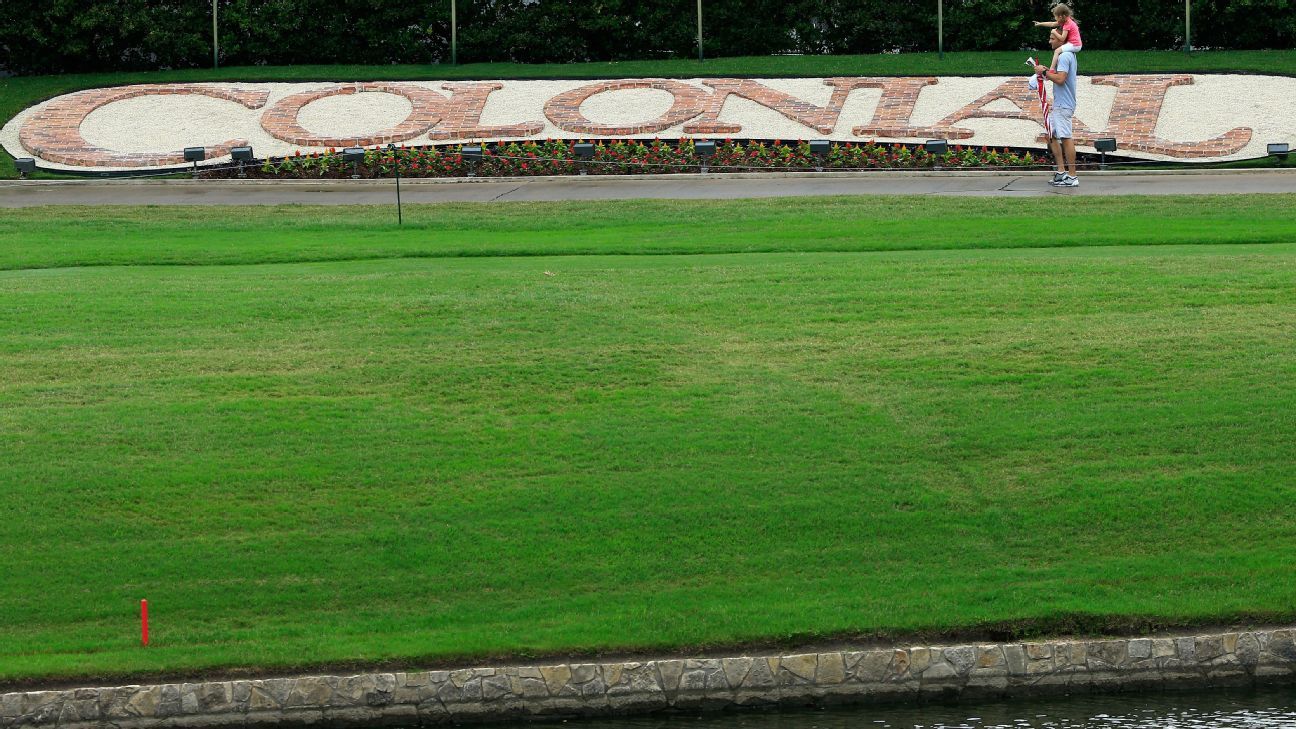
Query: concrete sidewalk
column 719, row 186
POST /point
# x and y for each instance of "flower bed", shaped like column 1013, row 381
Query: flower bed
column 628, row 157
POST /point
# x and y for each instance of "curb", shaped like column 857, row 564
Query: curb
column 864, row 175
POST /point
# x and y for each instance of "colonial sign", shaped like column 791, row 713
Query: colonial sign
column 1163, row 116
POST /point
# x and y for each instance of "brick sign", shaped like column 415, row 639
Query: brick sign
column 1173, row 116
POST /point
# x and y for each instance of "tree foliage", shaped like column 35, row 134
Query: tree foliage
column 58, row 36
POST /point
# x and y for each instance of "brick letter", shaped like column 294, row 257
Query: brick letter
column 462, row 117
column 1137, row 108
column 54, row 132
column 822, row 119
column 1013, row 90
column 564, row 109
column 280, row 120
column 895, row 108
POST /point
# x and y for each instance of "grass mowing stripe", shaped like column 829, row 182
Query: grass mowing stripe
column 416, row 459
column 65, row 237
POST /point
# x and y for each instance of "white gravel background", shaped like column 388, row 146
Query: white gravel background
column 354, row 115
column 1211, row 106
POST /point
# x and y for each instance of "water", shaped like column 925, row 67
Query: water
column 1235, row 709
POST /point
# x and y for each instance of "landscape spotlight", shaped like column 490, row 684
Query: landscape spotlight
column 936, row 148
column 706, row 150
column 354, row 155
column 473, row 155
column 1278, row 149
column 1105, row 145
column 242, row 155
column 584, row 152
column 25, row 165
column 195, row 155
column 819, row 148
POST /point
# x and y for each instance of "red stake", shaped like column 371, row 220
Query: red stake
column 144, row 621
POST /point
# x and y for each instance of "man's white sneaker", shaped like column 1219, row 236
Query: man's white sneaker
column 1057, row 177
column 1066, row 181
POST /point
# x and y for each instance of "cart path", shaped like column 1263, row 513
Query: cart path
column 15, row 193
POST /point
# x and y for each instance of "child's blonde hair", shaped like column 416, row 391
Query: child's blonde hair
column 1063, row 10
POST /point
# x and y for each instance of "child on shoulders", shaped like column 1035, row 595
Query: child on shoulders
column 1065, row 28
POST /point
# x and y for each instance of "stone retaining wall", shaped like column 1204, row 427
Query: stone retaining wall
column 485, row 694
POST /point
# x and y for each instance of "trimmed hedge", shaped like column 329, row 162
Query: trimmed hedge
column 63, row 36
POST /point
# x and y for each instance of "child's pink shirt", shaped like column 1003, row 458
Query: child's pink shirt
column 1072, row 31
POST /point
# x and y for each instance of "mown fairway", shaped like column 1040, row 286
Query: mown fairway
column 307, row 437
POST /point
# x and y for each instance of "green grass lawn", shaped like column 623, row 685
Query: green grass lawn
column 18, row 93
column 309, row 438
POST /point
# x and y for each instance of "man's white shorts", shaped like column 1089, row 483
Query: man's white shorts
column 1060, row 120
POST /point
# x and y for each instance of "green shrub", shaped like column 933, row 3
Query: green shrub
column 60, row 36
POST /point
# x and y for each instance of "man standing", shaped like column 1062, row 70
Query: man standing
column 1064, row 104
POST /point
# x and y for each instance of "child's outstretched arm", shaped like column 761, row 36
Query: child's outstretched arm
column 1046, row 24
